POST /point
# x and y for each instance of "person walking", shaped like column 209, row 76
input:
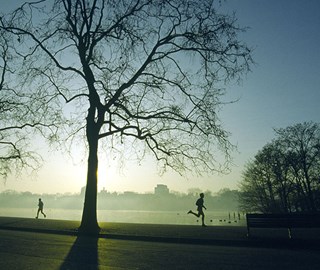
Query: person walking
column 200, row 206
column 40, row 208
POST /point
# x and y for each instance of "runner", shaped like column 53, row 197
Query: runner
column 200, row 206
column 40, row 208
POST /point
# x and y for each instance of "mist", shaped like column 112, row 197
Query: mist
column 161, row 206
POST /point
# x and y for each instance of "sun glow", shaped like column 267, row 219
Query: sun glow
column 103, row 176
column 108, row 175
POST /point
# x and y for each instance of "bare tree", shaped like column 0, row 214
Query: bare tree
column 302, row 148
column 284, row 175
column 18, row 119
column 266, row 185
column 149, row 73
column 9, row 151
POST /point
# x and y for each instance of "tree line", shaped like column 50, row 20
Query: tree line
column 225, row 199
column 284, row 176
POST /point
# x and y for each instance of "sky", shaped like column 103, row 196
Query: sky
column 281, row 90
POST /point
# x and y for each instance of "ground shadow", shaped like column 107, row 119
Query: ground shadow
column 83, row 254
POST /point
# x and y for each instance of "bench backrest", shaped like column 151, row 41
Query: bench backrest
column 290, row 220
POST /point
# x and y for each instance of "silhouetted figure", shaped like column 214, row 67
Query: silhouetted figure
column 40, row 208
column 200, row 206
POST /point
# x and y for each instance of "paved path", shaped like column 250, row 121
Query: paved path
column 54, row 244
column 211, row 235
column 28, row 250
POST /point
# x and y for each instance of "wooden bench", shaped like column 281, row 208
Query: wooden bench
column 289, row 221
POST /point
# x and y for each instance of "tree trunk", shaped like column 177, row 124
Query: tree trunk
column 89, row 223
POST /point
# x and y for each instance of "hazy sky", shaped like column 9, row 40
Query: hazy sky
column 282, row 89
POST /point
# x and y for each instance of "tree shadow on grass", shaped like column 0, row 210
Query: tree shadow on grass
column 83, row 254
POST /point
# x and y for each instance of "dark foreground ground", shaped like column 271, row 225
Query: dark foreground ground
column 54, row 244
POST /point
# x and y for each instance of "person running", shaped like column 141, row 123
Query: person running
column 200, row 206
column 40, row 208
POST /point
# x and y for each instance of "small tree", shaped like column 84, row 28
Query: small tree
column 147, row 73
column 301, row 144
column 284, row 175
column 265, row 184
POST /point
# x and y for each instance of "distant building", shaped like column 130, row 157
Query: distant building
column 103, row 191
column 161, row 190
column 130, row 193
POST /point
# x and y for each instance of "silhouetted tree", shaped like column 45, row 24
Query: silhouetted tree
column 301, row 144
column 284, row 175
column 265, row 183
column 139, row 71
